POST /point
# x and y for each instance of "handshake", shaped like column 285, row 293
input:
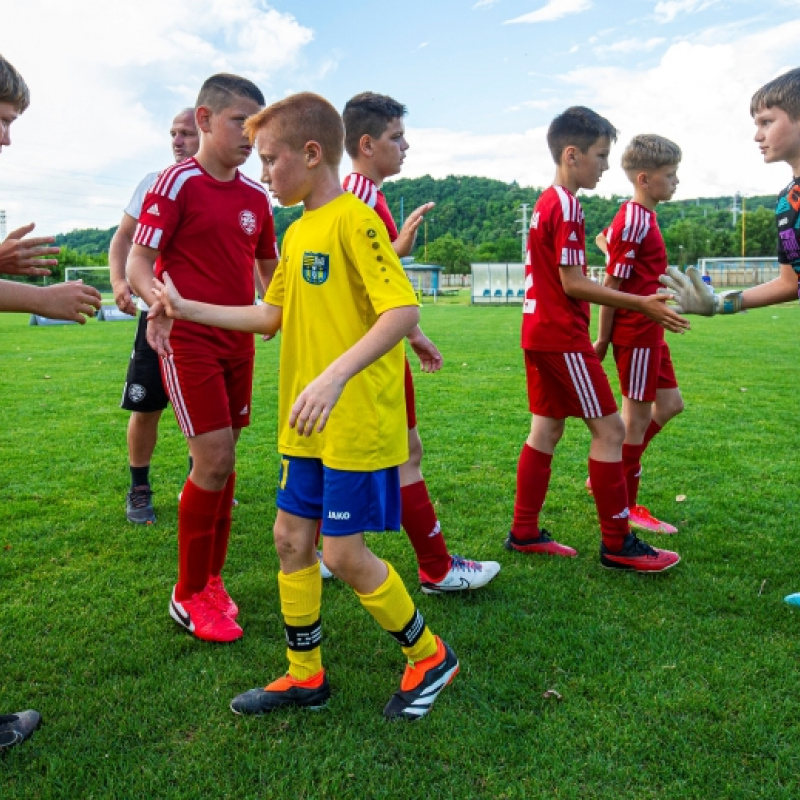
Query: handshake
column 695, row 297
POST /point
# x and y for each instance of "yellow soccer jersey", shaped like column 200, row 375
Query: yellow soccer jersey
column 337, row 274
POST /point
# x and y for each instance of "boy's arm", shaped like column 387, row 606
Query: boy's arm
column 264, row 318
column 654, row 306
column 70, row 300
column 404, row 243
column 606, row 320
column 315, row 403
column 779, row 290
column 118, row 251
column 139, row 271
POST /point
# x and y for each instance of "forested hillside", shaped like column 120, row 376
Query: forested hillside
column 480, row 219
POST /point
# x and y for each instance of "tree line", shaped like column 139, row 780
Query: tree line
column 481, row 219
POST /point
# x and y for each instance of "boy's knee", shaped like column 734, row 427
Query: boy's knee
column 415, row 450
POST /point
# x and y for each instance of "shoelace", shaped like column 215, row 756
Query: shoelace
column 140, row 497
column 468, row 566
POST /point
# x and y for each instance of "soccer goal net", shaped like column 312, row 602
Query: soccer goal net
column 99, row 277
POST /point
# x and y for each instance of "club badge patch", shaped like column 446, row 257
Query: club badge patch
column 316, row 267
column 136, row 392
column 247, row 219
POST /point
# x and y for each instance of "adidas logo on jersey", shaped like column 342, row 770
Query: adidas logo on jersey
column 573, row 237
column 244, row 410
column 630, row 254
column 535, row 220
column 153, row 210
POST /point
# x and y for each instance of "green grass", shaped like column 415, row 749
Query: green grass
column 676, row 686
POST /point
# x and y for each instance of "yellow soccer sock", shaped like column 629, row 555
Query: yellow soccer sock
column 394, row 610
column 301, row 596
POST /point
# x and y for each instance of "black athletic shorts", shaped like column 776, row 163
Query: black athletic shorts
column 144, row 390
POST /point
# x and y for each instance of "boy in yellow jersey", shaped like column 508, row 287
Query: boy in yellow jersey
column 344, row 305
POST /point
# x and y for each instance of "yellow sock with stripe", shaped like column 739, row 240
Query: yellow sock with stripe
column 393, row 609
column 301, row 596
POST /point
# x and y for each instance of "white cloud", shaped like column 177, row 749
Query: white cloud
column 668, row 10
column 486, row 3
column 698, row 95
column 552, row 10
column 626, row 46
column 103, row 82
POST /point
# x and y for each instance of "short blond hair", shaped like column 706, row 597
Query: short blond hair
column 13, row 89
column 782, row 92
column 302, row 118
column 648, row 152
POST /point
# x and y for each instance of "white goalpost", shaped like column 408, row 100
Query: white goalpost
column 99, row 277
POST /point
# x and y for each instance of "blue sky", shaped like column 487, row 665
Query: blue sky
column 481, row 79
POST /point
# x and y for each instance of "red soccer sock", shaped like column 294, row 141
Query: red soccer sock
column 611, row 499
column 419, row 520
column 632, row 467
column 222, row 529
column 652, row 429
column 197, row 515
column 533, row 478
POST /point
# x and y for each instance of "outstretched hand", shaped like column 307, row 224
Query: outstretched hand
column 73, row 300
column 691, row 294
column 655, row 307
column 404, row 243
column 21, row 256
column 168, row 296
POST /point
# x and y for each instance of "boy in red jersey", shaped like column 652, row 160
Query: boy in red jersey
column 636, row 259
column 375, row 141
column 207, row 223
column 71, row 301
column 144, row 394
column 565, row 377
column 343, row 305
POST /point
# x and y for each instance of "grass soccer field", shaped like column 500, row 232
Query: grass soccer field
column 575, row 682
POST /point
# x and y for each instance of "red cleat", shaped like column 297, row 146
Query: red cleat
column 543, row 544
column 638, row 556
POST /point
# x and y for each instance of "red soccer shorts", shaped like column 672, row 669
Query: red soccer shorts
column 564, row 385
column 208, row 393
column 644, row 370
column 411, row 400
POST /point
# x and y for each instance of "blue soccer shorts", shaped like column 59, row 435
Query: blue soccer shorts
column 346, row 502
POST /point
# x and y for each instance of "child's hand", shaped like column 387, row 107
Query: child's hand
column 168, row 296
column 315, row 403
column 430, row 359
column 655, row 307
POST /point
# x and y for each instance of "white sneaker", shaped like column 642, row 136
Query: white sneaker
column 461, row 576
column 323, row 570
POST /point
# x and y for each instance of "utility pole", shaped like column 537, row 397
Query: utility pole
column 2, row 225
column 523, row 231
column 735, row 207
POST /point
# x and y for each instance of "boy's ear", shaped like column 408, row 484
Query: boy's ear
column 642, row 179
column 365, row 145
column 313, row 154
column 202, row 117
column 569, row 155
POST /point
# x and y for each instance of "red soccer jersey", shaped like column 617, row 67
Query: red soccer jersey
column 368, row 192
column 636, row 253
column 208, row 234
column 552, row 321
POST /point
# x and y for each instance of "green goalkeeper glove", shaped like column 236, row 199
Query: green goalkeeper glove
column 695, row 297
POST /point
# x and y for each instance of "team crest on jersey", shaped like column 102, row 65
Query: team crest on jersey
column 316, row 267
column 247, row 219
column 794, row 197
column 535, row 220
